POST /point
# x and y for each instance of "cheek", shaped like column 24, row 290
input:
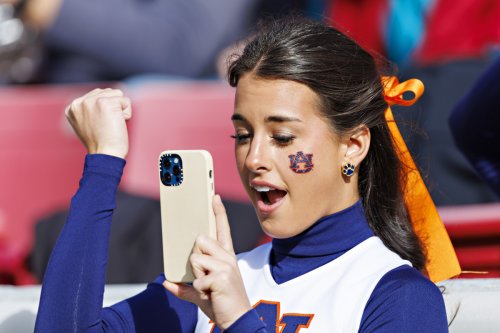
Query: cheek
column 302, row 174
column 307, row 199
column 239, row 154
column 300, row 162
column 312, row 175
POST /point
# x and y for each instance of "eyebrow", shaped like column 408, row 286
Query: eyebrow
column 270, row 119
column 281, row 119
column 238, row 117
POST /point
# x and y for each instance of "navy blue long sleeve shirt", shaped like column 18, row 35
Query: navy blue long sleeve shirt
column 73, row 286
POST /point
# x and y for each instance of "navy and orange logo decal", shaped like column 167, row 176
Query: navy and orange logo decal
column 300, row 162
column 269, row 313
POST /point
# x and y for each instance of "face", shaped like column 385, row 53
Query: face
column 277, row 123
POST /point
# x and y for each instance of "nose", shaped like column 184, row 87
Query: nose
column 258, row 159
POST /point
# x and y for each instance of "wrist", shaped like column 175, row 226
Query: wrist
column 249, row 321
column 104, row 164
column 237, row 316
column 120, row 153
column 106, row 148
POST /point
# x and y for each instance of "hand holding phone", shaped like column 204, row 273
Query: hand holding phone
column 218, row 289
column 186, row 192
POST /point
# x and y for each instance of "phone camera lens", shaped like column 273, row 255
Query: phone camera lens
column 167, row 177
column 176, row 170
column 167, row 163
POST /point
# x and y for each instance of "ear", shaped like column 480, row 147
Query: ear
column 357, row 145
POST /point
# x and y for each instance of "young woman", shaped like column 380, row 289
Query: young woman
column 316, row 157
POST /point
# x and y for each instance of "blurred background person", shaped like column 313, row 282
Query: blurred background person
column 89, row 40
column 475, row 125
column 81, row 41
column 20, row 52
column 447, row 44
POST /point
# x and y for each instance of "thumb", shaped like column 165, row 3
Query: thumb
column 126, row 106
column 183, row 291
column 188, row 293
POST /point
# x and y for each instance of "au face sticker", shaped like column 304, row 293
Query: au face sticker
column 300, row 162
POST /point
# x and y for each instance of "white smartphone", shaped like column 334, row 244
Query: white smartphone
column 186, row 192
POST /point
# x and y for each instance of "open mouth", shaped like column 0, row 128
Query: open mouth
column 268, row 198
column 272, row 196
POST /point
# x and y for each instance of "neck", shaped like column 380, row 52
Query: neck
column 326, row 240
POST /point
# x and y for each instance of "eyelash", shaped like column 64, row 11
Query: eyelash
column 240, row 138
column 281, row 140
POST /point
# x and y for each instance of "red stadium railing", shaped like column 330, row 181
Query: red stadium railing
column 41, row 160
column 475, row 233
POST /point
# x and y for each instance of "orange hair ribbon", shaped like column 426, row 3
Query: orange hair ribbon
column 442, row 262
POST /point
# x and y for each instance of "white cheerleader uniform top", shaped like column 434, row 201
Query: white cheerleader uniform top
column 330, row 298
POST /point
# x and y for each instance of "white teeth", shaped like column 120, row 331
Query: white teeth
column 262, row 188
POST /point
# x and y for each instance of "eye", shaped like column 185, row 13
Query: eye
column 283, row 140
column 241, row 138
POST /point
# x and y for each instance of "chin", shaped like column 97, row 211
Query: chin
column 276, row 229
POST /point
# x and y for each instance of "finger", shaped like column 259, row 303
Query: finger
column 204, row 285
column 90, row 100
column 68, row 112
column 208, row 246
column 183, row 291
column 72, row 107
column 116, row 104
column 203, row 264
column 108, row 92
column 126, row 107
column 97, row 91
column 190, row 294
column 196, row 266
column 104, row 94
column 90, row 97
column 222, row 225
column 93, row 92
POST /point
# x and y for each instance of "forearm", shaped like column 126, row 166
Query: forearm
column 73, row 285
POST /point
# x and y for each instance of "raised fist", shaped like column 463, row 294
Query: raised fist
column 98, row 118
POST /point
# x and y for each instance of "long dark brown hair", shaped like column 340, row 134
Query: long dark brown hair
column 347, row 80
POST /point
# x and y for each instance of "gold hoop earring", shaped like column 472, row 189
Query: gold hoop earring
column 348, row 169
